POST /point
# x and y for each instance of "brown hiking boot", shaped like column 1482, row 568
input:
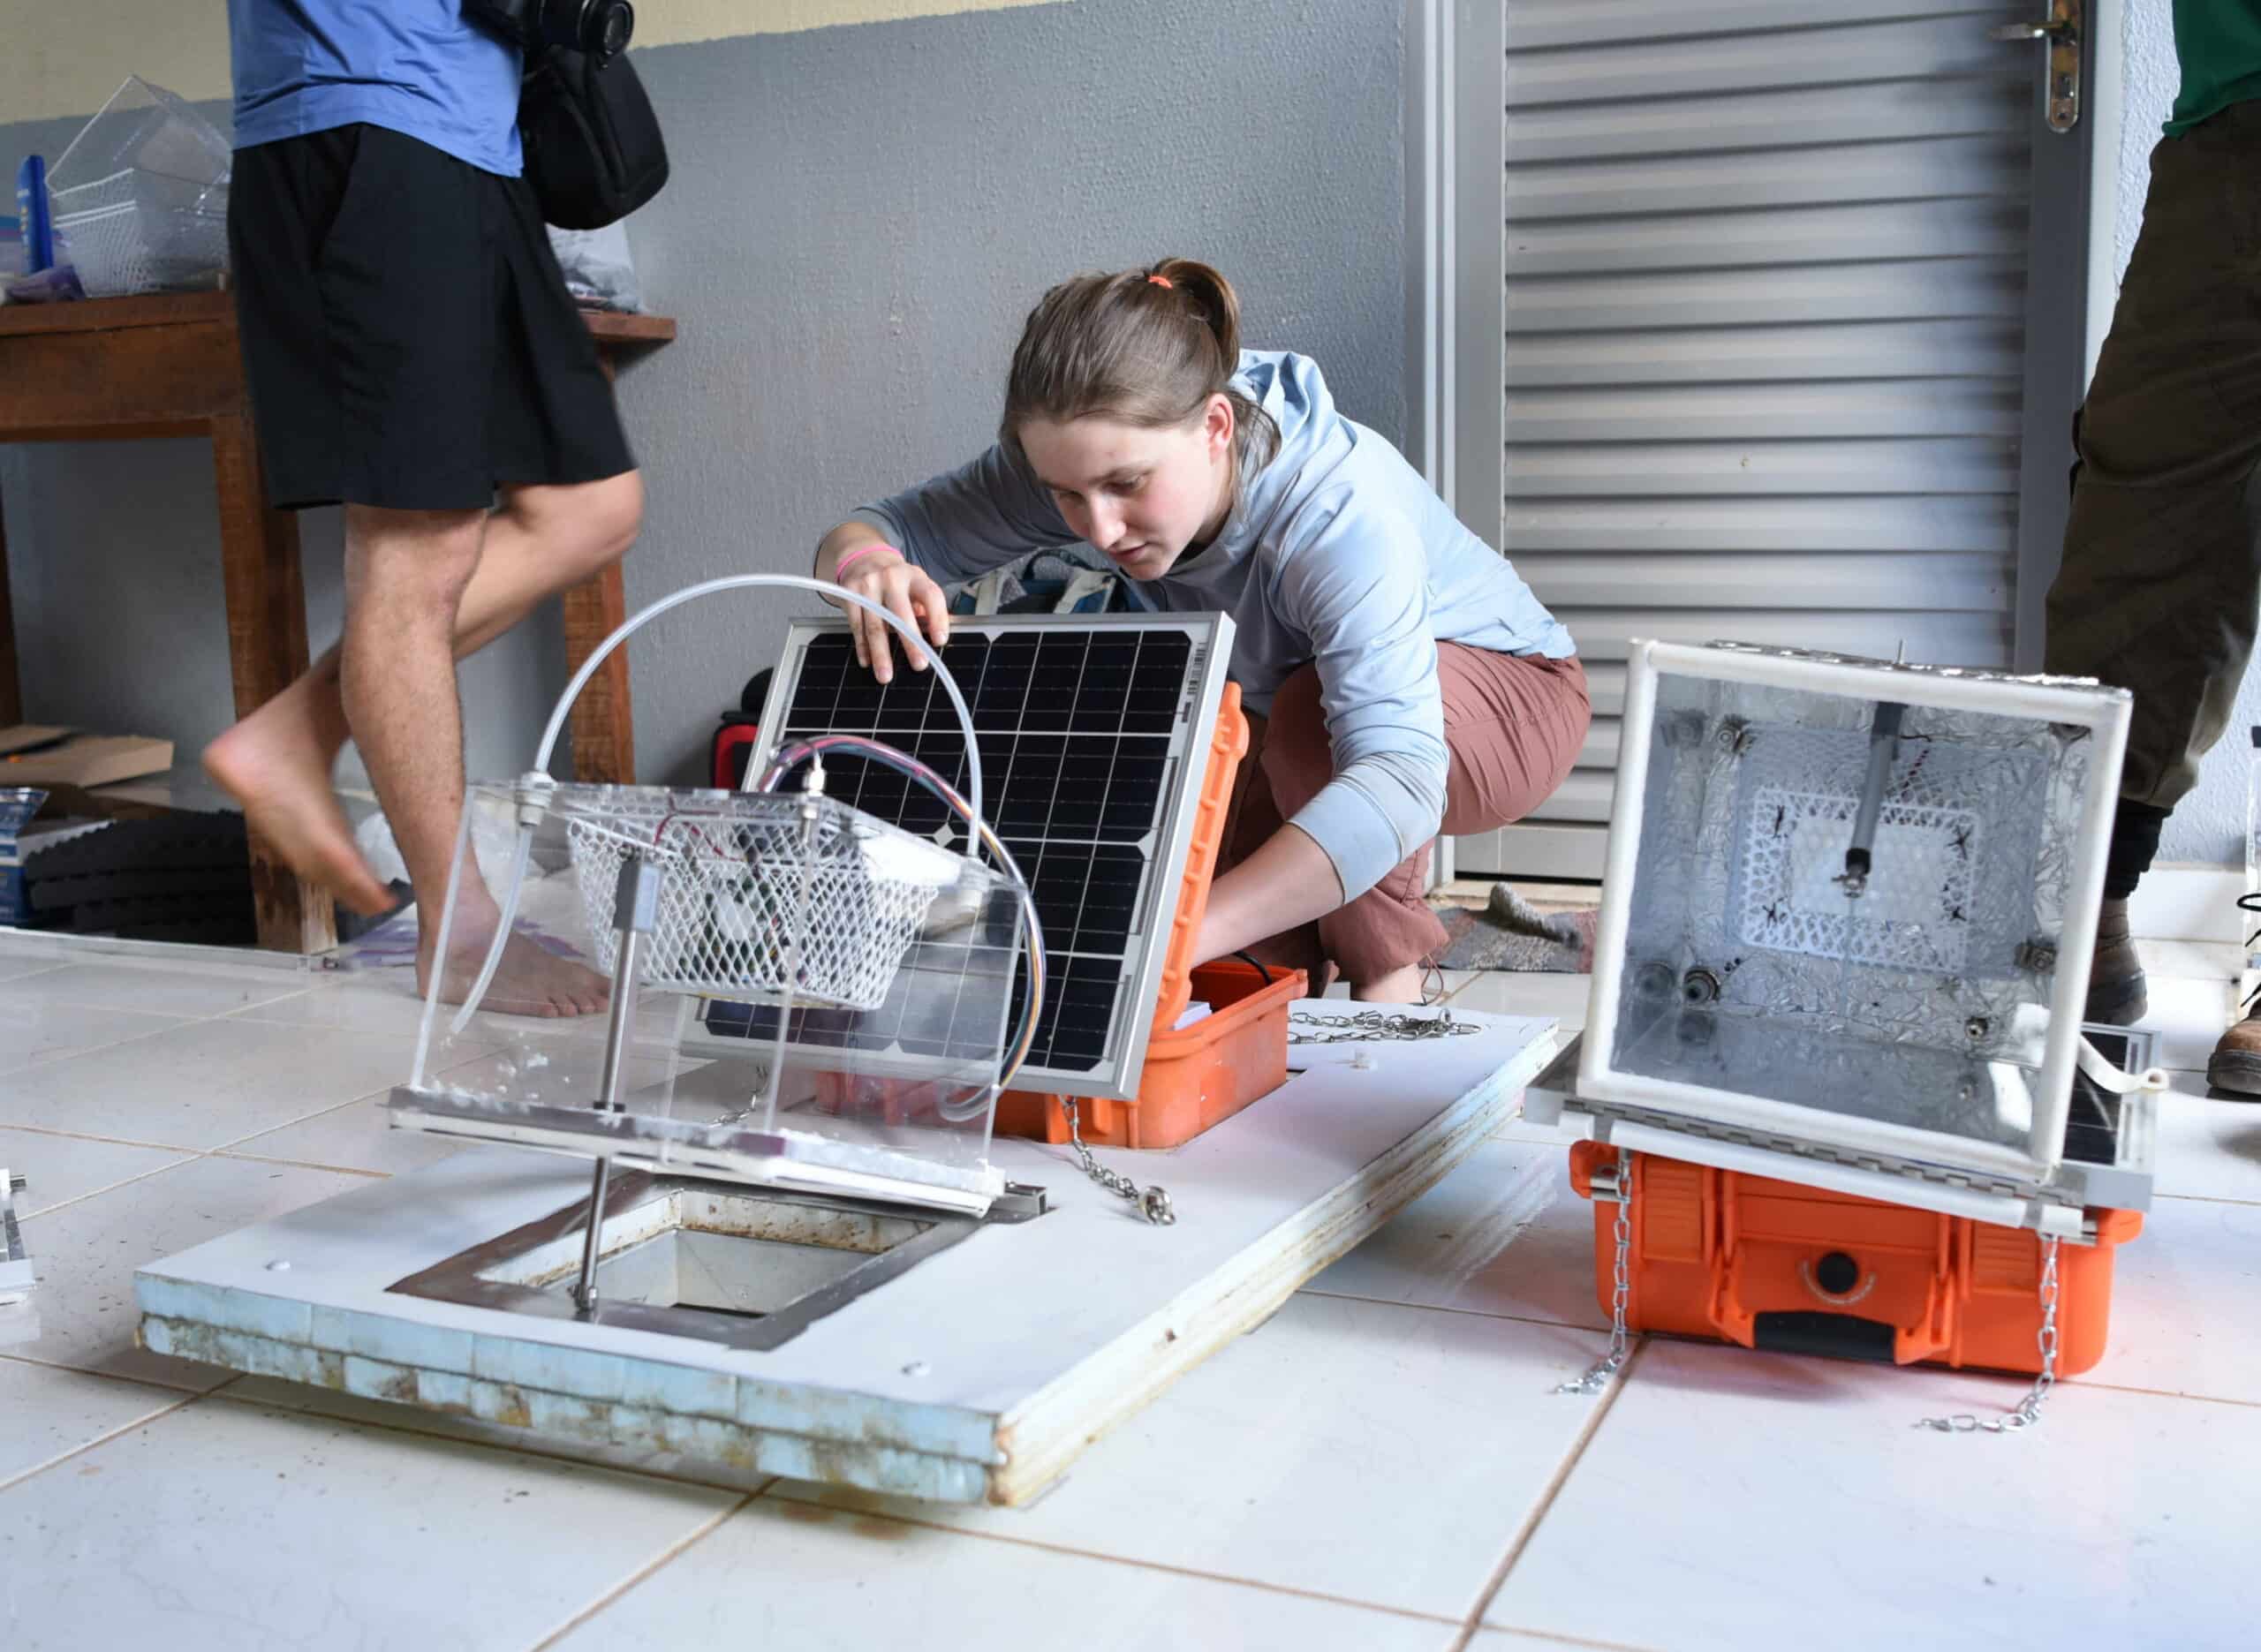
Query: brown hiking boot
column 2236, row 1064
column 2116, row 978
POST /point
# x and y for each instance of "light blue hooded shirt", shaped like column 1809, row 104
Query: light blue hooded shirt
column 1337, row 554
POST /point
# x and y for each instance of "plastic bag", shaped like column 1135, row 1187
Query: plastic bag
column 599, row 270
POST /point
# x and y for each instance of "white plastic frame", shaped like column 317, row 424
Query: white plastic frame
column 2104, row 711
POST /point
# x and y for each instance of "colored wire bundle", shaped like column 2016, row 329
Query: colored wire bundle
column 912, row 768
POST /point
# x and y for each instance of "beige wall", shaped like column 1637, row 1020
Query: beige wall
column 74, row 56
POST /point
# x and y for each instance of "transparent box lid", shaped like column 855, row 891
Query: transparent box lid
column 821, row 1000
column 1925, row 1004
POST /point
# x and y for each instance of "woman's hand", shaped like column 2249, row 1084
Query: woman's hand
column 881, row 574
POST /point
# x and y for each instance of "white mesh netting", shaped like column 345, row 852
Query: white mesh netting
column 756, row 899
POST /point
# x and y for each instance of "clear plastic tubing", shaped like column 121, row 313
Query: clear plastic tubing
column 529, row 814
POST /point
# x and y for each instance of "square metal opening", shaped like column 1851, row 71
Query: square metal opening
column 747, row 1267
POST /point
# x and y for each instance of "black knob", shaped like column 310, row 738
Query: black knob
column 1837, row 1273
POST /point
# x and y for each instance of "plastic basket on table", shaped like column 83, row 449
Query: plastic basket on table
column 143, row 232
column 762, row 895
column 141, row 197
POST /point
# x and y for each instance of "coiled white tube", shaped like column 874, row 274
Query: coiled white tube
column 538, row 776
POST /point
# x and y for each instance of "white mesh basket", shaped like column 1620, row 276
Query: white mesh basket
column 140, row 196
column 143, row 232
column 762, row 893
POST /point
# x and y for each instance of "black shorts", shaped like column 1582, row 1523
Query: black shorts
column 407, row 335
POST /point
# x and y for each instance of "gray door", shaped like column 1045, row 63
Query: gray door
column 1794, row 306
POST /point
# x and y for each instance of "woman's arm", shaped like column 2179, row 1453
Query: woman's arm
column 1356, row 586
column 1287, row 883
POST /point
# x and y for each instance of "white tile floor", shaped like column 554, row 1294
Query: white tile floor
column 1381, row 1466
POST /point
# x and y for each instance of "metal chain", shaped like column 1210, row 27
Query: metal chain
column 1153, row 1202
column 1375, row 1026
column 2027, row 1412
column 1621, row 1289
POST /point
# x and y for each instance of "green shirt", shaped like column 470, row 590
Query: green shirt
column 2218, row 44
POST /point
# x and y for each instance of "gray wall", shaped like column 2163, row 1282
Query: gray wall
column 859, row 217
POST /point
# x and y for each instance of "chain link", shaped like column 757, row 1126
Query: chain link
column 1375, row 1026
column 2027, row 1412
column 1620, row 1290
column 1152, row 1202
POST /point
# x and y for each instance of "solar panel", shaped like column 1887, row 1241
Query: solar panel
column 1094, row 733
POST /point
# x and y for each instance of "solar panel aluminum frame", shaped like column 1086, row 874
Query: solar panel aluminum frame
column 1116, row 1076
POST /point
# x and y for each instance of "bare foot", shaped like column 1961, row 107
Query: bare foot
column 528, row 981
column 272, row 764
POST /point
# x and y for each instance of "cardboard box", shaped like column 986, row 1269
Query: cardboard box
column 33, row 756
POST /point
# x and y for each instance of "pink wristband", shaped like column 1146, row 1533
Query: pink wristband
column 841, row 566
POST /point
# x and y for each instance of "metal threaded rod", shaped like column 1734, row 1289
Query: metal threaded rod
column 1884, row 750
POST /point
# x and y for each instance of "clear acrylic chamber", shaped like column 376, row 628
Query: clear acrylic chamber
column 1924, row 994
column 821, row 1001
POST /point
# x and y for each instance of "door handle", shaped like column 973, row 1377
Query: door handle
column 2061, row 32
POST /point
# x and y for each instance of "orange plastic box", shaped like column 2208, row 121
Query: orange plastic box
column 1775, row 1264
column 1204, row 1073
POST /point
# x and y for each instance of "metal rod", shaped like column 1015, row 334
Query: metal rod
column 584, row 1291
column 789, row 946
column 631, row 913
column 616, row 1025
column 1884, row 750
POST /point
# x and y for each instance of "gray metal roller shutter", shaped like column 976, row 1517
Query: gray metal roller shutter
column 1765, row 272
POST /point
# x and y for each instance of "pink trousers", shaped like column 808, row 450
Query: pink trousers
column 1513, row 727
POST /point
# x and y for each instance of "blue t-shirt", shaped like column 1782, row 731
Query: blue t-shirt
column 418, row 67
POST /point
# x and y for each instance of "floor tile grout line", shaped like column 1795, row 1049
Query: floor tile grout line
column 1556, row 1637
column 65, row 1058
column 233, row 1149
column 2072, row 1383
column 95, row 1193
column 2205, row 1198
column 236, row 1156
column 304, row 1118
column 1442, row 1307
column 110, row 1141
column 1474, row 1621
column 659, row 1562
column 25, row 975
column 773, row 1495
column 85, row 1446
column 89, row 1371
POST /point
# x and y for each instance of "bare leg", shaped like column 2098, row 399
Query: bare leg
column 405, row 575
column 276, row 763
column 1399, row 986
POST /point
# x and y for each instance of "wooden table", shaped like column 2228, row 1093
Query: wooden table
column 170, row 365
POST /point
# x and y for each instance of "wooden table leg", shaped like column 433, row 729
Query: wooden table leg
column 11, row 688
column 267, row 650
column 604, row 735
